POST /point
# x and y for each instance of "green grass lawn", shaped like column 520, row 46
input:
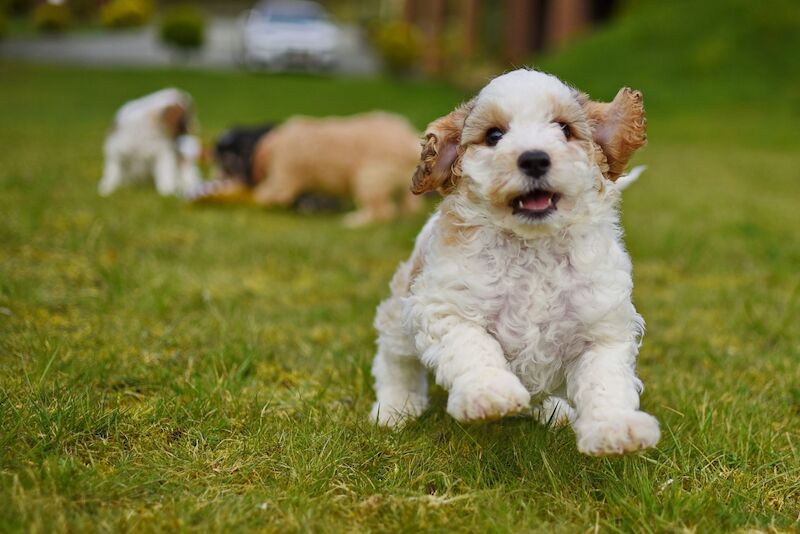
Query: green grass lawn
column 164, row 367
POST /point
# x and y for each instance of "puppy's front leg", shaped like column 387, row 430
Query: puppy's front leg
column 603, row 386
column 470, row 364
column 112, row 176
column 166, row 171
column 190, row 177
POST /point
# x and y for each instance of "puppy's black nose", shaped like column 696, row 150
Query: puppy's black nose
column 534, row 163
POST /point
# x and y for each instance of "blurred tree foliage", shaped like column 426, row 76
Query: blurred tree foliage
column 400, row 46
column 52, row 17
column 126, row 13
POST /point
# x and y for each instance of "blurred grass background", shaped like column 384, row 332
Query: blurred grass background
column 173, row 368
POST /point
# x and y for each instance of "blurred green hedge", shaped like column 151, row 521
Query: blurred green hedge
column 126, row 13
column 184, row 27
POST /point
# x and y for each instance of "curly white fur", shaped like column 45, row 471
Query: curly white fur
column 501, row 307
column 146, row 142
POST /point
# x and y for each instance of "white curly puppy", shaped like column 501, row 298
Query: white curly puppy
column 520, row 284
column 148, row 139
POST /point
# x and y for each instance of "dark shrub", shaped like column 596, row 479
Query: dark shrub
column 184, row 27
column 82, row 8
column 17, row 7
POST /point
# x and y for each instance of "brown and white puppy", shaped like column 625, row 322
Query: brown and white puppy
column 148, row 140
column 519, row 287
column 368, row 157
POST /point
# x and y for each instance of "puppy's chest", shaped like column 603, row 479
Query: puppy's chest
column 534, row 315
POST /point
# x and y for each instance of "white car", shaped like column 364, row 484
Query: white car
column 281, row 34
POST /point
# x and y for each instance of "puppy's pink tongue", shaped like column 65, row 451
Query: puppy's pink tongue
column 538, row 200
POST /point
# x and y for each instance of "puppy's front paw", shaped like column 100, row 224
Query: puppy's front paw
column 617, row 433
column 356, row 219
column 487, row 394
column 105, row 189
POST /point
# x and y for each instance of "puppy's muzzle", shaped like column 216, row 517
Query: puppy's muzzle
column 534, row 163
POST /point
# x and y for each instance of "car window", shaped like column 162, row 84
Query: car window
column 290, row 18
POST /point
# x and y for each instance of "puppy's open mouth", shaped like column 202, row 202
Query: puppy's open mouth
column 535, row 204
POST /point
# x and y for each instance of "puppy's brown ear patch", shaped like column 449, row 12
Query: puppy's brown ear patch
column 175, row 119
column 439, row 168
column 619, row 127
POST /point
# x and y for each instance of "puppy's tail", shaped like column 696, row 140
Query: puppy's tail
column 224, row 191
column 627, row 179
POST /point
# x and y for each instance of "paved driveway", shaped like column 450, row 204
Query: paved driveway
column 141, row 47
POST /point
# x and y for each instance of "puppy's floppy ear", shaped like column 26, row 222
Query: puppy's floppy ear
column 618, row 127
column 439, row 168
column 175, row 119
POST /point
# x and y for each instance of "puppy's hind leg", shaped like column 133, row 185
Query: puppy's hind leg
column 276, row 191
column 401, row 382
column 373, row 192
column 401, row 387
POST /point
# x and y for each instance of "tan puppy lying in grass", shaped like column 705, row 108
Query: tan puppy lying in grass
column 369, row 157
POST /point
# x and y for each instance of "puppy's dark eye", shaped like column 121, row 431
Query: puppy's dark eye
column 566, row 130
column 493, row 136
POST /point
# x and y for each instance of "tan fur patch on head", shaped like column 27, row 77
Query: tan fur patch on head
column 619, row 128
column 175, row 119
column 572, row 114
column 480, row 120
column 439, row 168
column 575, row 117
